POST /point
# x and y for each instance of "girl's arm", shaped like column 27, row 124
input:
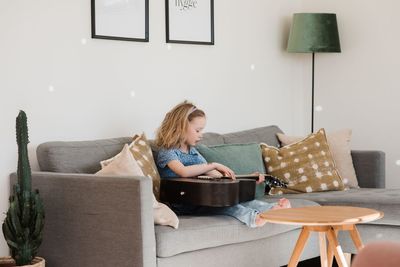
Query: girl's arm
column 198, row 169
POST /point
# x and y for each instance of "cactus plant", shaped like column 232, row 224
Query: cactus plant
column 24, row 222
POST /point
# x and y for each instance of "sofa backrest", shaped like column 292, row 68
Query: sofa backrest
column 85, row 156
column 78, row 156
column 265, row 134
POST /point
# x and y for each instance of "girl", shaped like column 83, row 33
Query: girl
column 180, row 131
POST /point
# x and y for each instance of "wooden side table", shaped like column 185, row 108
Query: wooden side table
column 327, row 221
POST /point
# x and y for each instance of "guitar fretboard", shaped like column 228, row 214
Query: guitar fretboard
column 206, row 177
column 269, row 179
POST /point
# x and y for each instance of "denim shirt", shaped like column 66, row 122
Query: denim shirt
column 193, row 157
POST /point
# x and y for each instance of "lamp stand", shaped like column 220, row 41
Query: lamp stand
column 312, row 94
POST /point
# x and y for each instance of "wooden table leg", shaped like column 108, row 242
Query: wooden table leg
column 322, row 249
column 355, row 235
column 347, row 256
column 337, row 250
column 330, row 252
column 301, row 242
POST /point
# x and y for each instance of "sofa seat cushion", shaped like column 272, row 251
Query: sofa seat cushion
column 199, row 232
column 386, row 200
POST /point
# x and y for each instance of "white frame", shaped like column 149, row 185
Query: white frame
column 189, row 21
column 126, row 20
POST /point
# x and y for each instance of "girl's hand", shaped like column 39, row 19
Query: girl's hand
column 224, row 170
column 261, row 177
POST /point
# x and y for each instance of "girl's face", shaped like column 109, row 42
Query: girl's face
column 194, row 132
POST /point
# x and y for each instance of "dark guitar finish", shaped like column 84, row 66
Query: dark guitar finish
column 207, row 192
column 215, row 192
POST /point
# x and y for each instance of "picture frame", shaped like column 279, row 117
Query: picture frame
column 189, row 21
column 124, row 20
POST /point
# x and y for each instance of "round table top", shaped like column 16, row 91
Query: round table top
column 322, row 215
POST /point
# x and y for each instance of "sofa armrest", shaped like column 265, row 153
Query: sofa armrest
column 96, row 220
column 370, row 168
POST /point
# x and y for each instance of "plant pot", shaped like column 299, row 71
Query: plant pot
column 9, row 262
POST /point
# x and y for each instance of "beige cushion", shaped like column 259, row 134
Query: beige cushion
column 339, row 144
column 122, row 164
column 307, row 166
column 163, row 215
column 125, row 164
column 142, row 153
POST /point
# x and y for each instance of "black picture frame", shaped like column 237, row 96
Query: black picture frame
column 109, row 22
column 172, row 27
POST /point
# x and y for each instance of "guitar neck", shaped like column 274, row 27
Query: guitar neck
column 238, row 176
column 249, row 175
column 270, row 180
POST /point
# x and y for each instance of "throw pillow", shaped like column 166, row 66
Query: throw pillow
column 307, row 166
column 122, row 164
column 142, row 153
column 163, row 215
column 125, row 164
column 241, row 158
column 339, row 144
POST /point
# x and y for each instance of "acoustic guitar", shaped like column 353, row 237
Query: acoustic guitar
column 211, row 191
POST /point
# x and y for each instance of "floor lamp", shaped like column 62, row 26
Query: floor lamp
column 313, row 33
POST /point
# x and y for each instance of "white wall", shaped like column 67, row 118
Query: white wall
column 41, row 46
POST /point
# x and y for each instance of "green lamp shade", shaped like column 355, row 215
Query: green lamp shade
column 313, row 32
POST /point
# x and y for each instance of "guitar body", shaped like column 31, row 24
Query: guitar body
column 207, row 192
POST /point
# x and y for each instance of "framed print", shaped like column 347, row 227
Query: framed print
column 190, row 21
column 126, row 20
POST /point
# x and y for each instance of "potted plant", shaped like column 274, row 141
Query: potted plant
column 24, row 222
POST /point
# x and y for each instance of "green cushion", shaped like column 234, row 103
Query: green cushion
column 241, row 158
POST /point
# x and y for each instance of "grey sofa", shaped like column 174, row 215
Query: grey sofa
column 107, row 221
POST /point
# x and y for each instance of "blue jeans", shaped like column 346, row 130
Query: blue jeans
column 245, row 212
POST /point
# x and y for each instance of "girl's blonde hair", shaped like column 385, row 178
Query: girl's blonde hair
column 173, row 128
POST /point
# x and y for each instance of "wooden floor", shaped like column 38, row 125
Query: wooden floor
column 314, row 262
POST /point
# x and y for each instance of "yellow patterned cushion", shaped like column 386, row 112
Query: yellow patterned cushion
column 307, row 166
column 141, row 151
column 339, row 144
column 143, row 155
